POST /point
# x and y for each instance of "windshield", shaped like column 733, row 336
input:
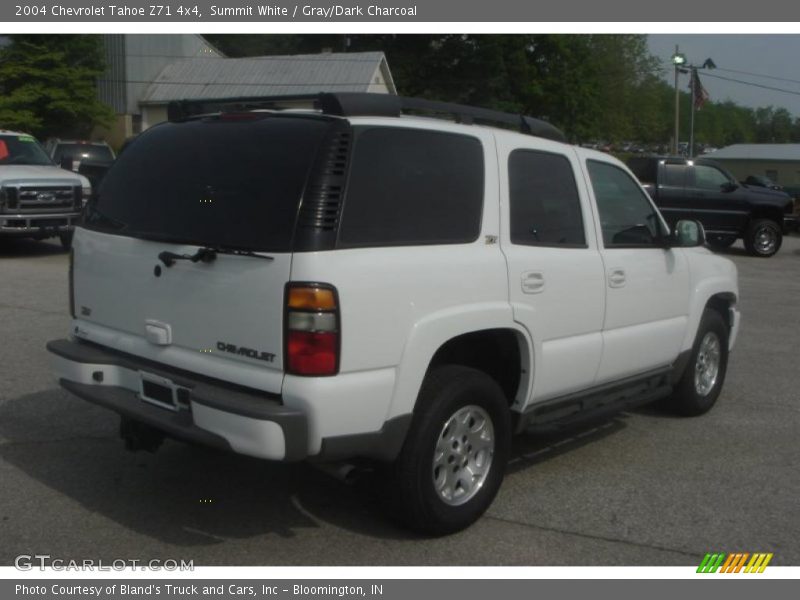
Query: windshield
column 22, row 150
column 83, row 152
column 219, row 182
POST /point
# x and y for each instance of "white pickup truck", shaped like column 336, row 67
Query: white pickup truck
column 354, row 283
column 37, row 199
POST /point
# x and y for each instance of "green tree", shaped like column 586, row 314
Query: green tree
column 48, row 85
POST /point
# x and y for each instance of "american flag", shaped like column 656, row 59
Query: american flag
column 700, row 94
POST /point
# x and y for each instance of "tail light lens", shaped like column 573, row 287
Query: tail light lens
column 312, row 330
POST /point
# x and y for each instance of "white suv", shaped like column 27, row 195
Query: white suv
column 354, row 283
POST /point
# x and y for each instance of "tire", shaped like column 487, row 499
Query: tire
column 427, row 484
column 721, row 242
column 701, row 383
column 763, row 238
column 66, row 239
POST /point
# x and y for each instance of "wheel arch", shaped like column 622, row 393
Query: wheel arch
column 466, row 336
column 773, row 213
column 714, row 294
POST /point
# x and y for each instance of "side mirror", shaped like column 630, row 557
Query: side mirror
column 66, row 163
column 728, row 187
column 688, row 234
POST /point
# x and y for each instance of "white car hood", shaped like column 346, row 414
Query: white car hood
column 12, row 174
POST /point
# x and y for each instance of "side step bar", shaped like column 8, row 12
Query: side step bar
column 596, row 402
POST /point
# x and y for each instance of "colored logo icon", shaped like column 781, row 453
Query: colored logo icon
column 734, row 563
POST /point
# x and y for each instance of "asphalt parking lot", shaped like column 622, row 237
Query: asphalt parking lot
column 643, row 488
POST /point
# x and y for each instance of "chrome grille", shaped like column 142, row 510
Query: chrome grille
column 46, row 198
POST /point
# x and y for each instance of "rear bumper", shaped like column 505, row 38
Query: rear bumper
column 27, row 224
column 255, row 424
column 791, row 223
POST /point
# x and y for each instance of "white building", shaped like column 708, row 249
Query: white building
column 146, row 72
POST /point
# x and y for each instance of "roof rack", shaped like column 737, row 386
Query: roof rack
column 352, row 104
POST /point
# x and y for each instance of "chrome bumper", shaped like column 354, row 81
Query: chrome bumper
column 35, row 223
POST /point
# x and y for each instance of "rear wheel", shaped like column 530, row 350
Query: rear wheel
column 763, row 238
column 454, row 457
column 701, row 383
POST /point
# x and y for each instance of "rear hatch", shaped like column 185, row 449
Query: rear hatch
column 224, row 191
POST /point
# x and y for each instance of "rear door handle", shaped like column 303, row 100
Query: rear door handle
column 616, row 278
column 532, row 282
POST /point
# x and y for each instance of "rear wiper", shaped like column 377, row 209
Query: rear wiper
column 206, row 255
column 238, row 252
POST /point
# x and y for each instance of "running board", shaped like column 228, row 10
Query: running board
column 597, row 402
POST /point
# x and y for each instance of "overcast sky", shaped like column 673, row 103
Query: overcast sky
column 773, row 55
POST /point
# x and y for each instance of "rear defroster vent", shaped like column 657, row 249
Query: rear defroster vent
column 322, row 201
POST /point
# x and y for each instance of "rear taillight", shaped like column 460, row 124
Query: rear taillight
column 71, row 283
column 312, row 329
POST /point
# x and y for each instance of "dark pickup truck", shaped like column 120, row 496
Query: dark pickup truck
column 701, row 189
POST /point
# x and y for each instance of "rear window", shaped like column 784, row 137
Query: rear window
column 83, row 152
column 213, row 182
column 644, row 169
column 412, row 186
column 675, row 175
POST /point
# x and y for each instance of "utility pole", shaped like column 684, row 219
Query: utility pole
column 678, row 61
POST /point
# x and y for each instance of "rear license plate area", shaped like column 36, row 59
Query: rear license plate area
column 158, row 391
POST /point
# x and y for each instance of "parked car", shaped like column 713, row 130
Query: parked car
column 71, row 154
column 357, row 284
column 703, row 190
column 37, row 199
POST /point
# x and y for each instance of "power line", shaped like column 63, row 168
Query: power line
column 750, row 83
column 759, row 75
column 766, row 87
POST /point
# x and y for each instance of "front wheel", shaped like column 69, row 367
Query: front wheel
column 763, row 238
column 455, row 454
column 701, row 383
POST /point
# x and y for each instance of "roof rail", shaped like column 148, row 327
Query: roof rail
column 352, row 104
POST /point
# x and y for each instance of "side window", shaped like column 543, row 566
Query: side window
column 545, row 206
column 412, row 186
column 675, row 175
column 626, row 215
column 709, row 178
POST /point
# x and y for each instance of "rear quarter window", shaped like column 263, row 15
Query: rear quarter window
column 412, row 187
column 545, row 207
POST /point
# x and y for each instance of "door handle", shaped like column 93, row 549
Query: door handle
column 532, row 282
column 616, row 278
column 157, row 333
